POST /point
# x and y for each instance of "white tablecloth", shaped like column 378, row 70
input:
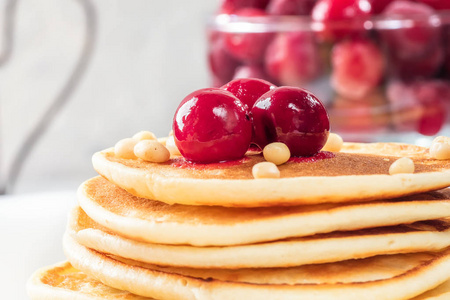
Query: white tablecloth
column 31, row 229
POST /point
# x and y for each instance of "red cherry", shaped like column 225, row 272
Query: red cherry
column 290, row 7
column 248, row 90
column 212, row 125
column 245, row 46
column 221, row 64
column 293, row 58
column 357, row 68
column 341, row 18
column 292, row 116
column 231, row 6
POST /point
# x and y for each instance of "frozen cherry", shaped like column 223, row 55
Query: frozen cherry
column 357, row 68
column 379, row 5
column 248, row 46
column 416, row 41
column 434, row 96
column 290, row 7
column 437, row 4
column 231, row 6
column 221, row 64
column 406, row 109
column 251, row 71
column 447, row 53
column 292, row 116
column 216, row 82
column 418, row 68
column 420, row 106
column 212, row 125
column 293, row 58
column 248, row 90
column 356, row 119
column 341, row 18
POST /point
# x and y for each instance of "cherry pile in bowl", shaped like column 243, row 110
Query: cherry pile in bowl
column 220, row 124
column 379, row 66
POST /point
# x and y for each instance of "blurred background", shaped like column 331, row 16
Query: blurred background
column 144, row 57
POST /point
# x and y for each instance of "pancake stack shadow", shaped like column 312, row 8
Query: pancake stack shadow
column 122, row 246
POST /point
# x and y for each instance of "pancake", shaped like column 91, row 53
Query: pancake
column 64, row 282
column 361, row 174
column 399, row 276
column 442, row 292
column 321, row 248
column 144, row 220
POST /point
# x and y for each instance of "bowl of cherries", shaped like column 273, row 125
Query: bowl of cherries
column 380, row 67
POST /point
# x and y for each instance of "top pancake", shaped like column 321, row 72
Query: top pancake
column 358, row 173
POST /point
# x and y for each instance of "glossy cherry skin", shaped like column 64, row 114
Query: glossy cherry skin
column 212, row 125
column 248, row 90
column 292, row 116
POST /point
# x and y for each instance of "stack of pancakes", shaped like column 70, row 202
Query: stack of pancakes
column 335, row 226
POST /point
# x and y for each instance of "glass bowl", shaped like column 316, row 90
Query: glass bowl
column 381, row 79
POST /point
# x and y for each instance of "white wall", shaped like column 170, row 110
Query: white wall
column 148, row 55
